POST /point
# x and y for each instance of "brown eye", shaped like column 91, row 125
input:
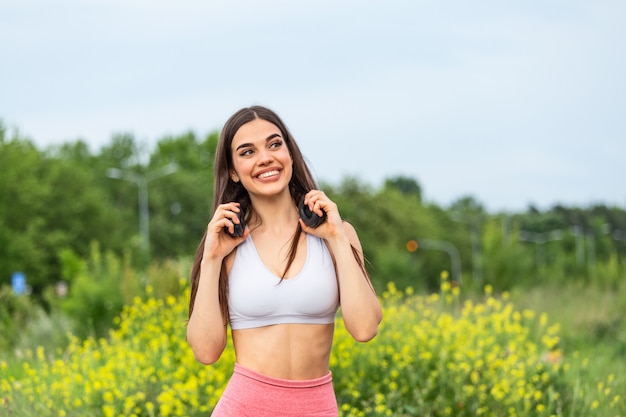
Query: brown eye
column 276, row 144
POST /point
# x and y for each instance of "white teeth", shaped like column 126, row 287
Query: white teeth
column 268, row 174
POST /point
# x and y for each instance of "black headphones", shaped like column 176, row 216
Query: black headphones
column 238, row 228
column 309, row 218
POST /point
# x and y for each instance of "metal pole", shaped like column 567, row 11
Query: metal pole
column 450, row 249
column 477, row 257
column 144, row 218
column 540, row 239
column 476, row 245
column 142, row 187
column 577, row 231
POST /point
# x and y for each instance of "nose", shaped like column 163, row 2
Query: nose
column 265, row 157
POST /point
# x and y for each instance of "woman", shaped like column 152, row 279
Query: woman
column 277, row 287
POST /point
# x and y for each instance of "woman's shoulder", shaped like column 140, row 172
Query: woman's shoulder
column 352, row 234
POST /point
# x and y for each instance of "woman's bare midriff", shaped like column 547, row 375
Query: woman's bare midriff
column 288, row 351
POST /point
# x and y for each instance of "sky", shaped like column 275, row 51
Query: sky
column 514, row 103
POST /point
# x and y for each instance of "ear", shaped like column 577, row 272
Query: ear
column 234, row 176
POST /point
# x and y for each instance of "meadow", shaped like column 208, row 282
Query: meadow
column 538, row 327
column 439, row 354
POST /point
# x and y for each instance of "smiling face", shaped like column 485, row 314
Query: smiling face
column 261, row 159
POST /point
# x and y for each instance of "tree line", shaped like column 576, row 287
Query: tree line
column 57, row 202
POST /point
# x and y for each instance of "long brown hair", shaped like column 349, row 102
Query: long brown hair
column 226, row 190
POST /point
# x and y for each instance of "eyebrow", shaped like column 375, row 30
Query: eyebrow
column 270, row 137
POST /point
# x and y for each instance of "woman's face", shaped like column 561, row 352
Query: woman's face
column 261, row 158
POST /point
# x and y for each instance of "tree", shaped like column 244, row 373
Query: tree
column 23, row 202
column 405, row 185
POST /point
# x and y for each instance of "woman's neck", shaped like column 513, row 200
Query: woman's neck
column 276, row 214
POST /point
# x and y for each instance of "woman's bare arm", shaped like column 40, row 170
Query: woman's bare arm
column 360, row 307
column 206, row 329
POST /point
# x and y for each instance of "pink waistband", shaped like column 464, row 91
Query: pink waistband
column 251, row 394
column 285, row 383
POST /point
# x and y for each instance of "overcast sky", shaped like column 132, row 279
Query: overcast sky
column 511, row 102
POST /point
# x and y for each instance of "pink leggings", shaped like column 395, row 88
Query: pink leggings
column 250, row 394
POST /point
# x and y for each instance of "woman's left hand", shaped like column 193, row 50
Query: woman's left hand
column 319, row 203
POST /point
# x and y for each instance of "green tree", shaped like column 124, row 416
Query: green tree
column 181, row 204
column 23, row 204
column 405, row 185
column 385, row 220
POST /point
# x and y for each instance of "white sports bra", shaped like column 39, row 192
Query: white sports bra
column 257, row 297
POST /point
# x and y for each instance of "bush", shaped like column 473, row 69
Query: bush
column 435, row 355
column 98, row 289
column 16, row 311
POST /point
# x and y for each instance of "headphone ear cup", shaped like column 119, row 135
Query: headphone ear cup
column 238, row 228
column 310, row 218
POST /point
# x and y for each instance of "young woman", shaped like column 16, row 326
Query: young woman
column 280, row 283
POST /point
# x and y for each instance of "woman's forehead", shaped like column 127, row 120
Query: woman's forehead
column 255, row 131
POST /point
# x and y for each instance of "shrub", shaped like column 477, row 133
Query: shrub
column 98, row 289
column 434, row 356
column 15, row 313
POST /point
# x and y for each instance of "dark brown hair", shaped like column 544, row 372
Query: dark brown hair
column 226, row 190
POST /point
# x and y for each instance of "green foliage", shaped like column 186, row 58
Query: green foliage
column 386, row 220
column 391, row 262
column 99, row 289
column 61, row 199
column 510, row 264
column 25, row 324
column 163, row 277
column 50, row 330
column 592, row 317
column 15, row 313
column 435, row 355
column 47, row 203
column 63, row 219
column 405, row 185
column 22, row 206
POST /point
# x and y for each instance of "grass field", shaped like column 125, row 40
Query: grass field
column 547, row 351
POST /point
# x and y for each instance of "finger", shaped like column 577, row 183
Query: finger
column 308, row 197
column 313, row 197
column 230, row 211
column 232, row 216
column 320, row 203
column 318, row 208
column 224, row 217
column 234, row 207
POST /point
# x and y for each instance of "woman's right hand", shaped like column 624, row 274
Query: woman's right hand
column 218, row 244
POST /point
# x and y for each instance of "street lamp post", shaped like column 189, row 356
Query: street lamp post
column 540, row 239
column 592, row 234
column 621, row 236
column 142, row 185
column 441, row 245
column 477, row 258
column 578, row 232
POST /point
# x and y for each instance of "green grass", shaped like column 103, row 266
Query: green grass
column 592, row 332
column 593, row 323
